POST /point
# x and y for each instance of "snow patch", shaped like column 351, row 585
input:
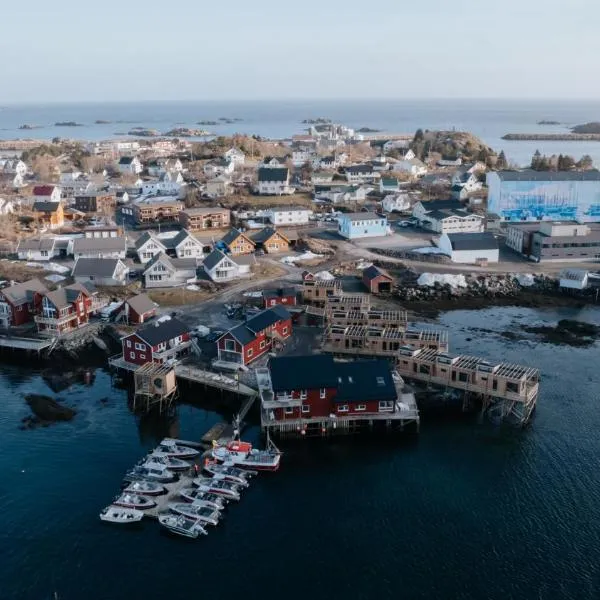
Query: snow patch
column 429, row 250
column 324, row 276
column 308, row 255
column 525, row 279
column 55, row 278
column 49, row 267
column 430, row 279
column 192, row 287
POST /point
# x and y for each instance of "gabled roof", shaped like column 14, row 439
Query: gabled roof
column 441, row 205
column 63, row 297
column 372, row 272
column 37, row 244
column 246, row 332
column 302, row 372
column 145, row 238
column 265, row 234
column 473, row 241
column 178, row 239
column 280, row 293
column 109, row 244
column 96, row 267
column 126, row 160
column 214, row 258
column 359, row 169
column 19, row 293
column 273, row 174
column 278, row 159
column 43, row 190
column 232, row 235
column 162, row 331
column 46, row 207
column 141, row 304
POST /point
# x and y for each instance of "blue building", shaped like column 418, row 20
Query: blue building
column 362, row 225
column 545, row 195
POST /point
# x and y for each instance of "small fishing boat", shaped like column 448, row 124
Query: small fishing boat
column 238, row 476
column 242, row 454
column 172, row 448
column 229, row 490
column 147, row 488
column 134, row 501
column 197, row 510
column 171, row 463
column 193, row 495
column 118, row 514
column 155, row 472
column 182, row 525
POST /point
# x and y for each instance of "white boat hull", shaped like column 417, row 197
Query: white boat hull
column 257, row 461
column 229, row 490
column 134, row 501
column 181, row 525
column 199, row 511
column 120, row 515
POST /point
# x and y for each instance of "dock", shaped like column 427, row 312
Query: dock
column 24, row 343
column 172, row 495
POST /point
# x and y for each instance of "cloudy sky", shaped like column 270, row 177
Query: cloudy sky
column 114, row 50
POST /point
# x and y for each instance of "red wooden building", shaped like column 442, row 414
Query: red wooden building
column 157, row 342
column 19, row 302
column 377, row 281
column 283, row 296
column 250, row 340
column 136, row 310
column 317, row 386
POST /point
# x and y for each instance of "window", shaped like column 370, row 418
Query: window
column 262, row 344
column 128, row 343
column 342, row 408
column 229, row 345
column 250, row 353
column 132, row 355
column 142, row 356
column 386, row 406
column 322, row 393
column 289, row 410
column 303, row 394
column 305, row 408
column 140, row 346
column 360, row 407
column 284, row 330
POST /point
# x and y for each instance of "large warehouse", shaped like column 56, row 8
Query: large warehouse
column 545, row 195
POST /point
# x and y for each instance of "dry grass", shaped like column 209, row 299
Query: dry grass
column 18, row 271
column 267, row 269
column 177, row 297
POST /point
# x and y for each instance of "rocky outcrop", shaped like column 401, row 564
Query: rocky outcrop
column 45, row 411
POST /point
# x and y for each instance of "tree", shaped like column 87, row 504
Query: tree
column 585, row 162
column 535, row 160
column 418, row 136
column 501, row 162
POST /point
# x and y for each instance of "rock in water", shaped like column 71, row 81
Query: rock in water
column 47, row 409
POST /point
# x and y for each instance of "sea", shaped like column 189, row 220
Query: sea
column 488, row 119
column 466, row 509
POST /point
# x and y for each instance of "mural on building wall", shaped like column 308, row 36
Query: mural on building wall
column 543, row 201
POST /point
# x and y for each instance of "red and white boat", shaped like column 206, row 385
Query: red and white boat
column 241, row 454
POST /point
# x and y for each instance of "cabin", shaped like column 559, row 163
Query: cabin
column 67, row 308
column 305, row 387
column 136, row 310
column 37, row 249
column 49, row 214
column 377, row 281
column 282, row 296
column 271, row 241
column 101, row 271
column 46, row 193
column 235, row 243
column 160, row 341
column 245, row 343
column 164, row 271
column 18, row 302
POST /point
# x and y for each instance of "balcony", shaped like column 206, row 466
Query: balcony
column 56, row 321
column 171, row 352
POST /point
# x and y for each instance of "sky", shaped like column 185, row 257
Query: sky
column 68, row 50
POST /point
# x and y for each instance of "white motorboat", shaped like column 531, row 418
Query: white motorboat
column 118, row 514
column 229, row 490
column 171, row 463
column 182, row 525
column 134, row 501
column 172, row 448
column 241, row 454
column 237, row 476
column 147, row 488
column 155, row 472
column 197, row 510
column 194, row 495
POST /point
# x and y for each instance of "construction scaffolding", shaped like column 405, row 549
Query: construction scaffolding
column 507, row 391
column 315, row 291
column 154, row 385
column 370, row 317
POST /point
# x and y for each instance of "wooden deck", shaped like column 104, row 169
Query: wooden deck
column 23, row 343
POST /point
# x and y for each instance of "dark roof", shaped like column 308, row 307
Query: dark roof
column 126, row 160
column 231, row 236
column 246, row 332
column 213, row 259
column 449, row 212
column 530, row 175
column 441, row 205
column 364, row 380
column 19, row 293
column 47, row 207
column 372, row 272
column 63, row 297
column 162, row 331
column 260, row 237
column 280, row 293
column 359, row 169
column 302, row 372
column 242, row 334
column 145, row 237
column 174, row 241
column 272, row 174
column 43, row 190
column 112, row 244
column 268, row 159
column 473, row 241
column 361, row 216
column 98, row 267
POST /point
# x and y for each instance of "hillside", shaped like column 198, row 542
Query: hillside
column 451, row 145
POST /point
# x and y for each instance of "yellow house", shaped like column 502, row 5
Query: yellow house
column 49, row 214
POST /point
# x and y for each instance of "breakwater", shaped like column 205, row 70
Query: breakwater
column 554, row 137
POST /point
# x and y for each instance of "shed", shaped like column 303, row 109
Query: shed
column 377, row 281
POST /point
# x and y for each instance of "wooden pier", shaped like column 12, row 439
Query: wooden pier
column 155, row 385
column 507, row 391
column 24, row 343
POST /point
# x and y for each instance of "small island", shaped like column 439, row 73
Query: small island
column 592, row 127
column 67, row 124
column 143, row 132
column 102, row 122
column 318, row 121
column 548, row 122
column 186, row 132
column 28, row 127
column 368, row 130
column 209, row 123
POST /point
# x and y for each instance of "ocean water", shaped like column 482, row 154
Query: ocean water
column 464, row 510
column 489, row 119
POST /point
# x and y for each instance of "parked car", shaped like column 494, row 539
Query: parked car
column 214, row 335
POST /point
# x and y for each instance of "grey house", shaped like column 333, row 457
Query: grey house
column 101, row 271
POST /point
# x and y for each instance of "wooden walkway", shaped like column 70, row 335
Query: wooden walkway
column 22, row 343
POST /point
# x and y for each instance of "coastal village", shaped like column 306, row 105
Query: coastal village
column 290, row 272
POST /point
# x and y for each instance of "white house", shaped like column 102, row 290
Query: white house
column 164, row 271
column 321, row 177
column 235, row 155
column 148, row 246
column 130, row 165
column 414, row 167
column 14, row 166
column 466, row 180
column 289, row 215
column 101, row 271
column 398, row 145
column 574, row 279
column 470, row 248
column 46, row 193
column 221, row 267
column 181, row 245
column 69, row 176
column 170, row 183
column 109, row 247
column 360, row 225
column 447, row 216
column 395, row 203
column 7, row 207
column 303, row 154
column 218, row 166
column 388, row 185
column 274, row 181
column 273, row 162
column 37, row 249
column 360, row 173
